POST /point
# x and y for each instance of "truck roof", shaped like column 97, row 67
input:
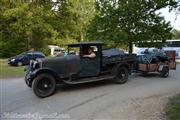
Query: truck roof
column 85, row 43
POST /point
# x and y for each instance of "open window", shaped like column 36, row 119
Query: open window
column 84, row 50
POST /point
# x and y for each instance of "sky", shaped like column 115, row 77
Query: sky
column 172, row 17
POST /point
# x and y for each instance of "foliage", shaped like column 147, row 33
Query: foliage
column 176, row 34
column 23, row 27
column 83, row 11
column 33, row 24
column 173, row 108
column 124, row 22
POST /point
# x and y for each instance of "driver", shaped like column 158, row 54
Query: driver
column 90, row 54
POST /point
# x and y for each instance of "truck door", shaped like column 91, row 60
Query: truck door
column 89, row 67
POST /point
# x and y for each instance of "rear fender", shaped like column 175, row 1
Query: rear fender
column 126, row 65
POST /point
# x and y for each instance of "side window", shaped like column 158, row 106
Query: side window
column 74, row 51
column 28, row 56
column 25, row 56
column 85, row 50
column 35, row 55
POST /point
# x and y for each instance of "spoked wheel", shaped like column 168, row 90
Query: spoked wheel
column 165, row 72
column 121, row 75
column 44, row 85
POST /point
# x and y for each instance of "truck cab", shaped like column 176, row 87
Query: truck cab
column 88, row 67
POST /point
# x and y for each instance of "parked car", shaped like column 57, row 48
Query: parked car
column 112, row 64
column 24, row 58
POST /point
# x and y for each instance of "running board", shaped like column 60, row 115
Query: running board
column 88, row 80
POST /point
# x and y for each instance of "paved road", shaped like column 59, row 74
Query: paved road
column 95, row 100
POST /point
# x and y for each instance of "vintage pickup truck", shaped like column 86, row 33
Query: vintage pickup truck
column 111, row 64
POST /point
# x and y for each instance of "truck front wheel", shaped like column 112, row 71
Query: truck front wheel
column 121, row 75
column 44, row 85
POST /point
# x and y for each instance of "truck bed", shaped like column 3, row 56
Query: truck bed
column 120, row 58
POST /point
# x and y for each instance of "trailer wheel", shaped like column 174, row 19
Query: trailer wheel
column 44, row 85
column 165, row 72
column 121, row 75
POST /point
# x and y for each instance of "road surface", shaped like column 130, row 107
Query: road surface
column 140, row 98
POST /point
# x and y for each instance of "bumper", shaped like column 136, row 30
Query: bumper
column 30, row 75
column 12, row 63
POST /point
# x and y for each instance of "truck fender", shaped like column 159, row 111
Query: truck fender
column 116, row 66
column 50, row 71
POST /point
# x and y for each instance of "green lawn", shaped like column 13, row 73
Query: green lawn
column 10, row 71
column 173, row 108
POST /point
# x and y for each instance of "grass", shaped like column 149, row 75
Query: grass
column 173, row 108
column 7, row 71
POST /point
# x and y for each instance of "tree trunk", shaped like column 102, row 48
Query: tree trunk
column 81, row 36
column 130, row 47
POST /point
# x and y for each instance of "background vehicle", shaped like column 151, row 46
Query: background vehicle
column 111, row 64
column 56, row 50
column 169, row 45
column 173, row 45
column 24, row 58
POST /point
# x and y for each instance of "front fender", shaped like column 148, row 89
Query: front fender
column 32, row 74
column 49, row 71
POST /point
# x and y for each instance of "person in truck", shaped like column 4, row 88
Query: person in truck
column 90, row 54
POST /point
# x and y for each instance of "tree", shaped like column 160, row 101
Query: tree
column 23, row 27
column 77, row 14
column 83, row 10
column 27, row 24
column 130, row 21
column 176, row 34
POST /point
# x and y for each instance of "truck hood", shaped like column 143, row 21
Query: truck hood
column 69, row 63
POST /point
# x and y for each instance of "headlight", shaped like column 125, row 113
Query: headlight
column 12, row 60
column 36, row 64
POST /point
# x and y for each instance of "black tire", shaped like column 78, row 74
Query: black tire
column 44, row 85
column 165, row 72
column 19, row 64
column 121, row 75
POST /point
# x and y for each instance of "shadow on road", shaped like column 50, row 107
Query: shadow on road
column 60, row 88
column 150, row 75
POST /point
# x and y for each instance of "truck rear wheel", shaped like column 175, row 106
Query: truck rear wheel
column 165, row 72
column 121, row 75
column 44, row 85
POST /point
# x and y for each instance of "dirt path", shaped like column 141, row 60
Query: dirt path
column 141, row 98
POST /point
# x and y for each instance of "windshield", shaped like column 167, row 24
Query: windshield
column 73, row 50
